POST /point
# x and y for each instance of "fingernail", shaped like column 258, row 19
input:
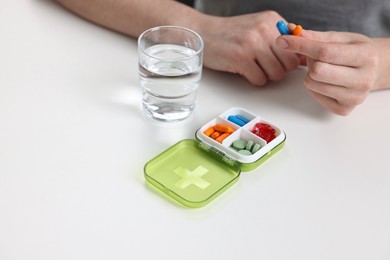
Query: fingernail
column 282, row 43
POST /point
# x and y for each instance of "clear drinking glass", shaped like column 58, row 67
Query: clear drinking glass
column 170, row 69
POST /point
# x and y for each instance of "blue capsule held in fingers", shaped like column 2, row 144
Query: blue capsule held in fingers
column 282, row 28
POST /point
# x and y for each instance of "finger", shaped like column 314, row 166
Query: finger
column 295, row 29
column 253, row 73
column 290, row 61
column 344, row 96
column 270, row 64
column 337, row 75
column 331, row 36
column 335, row 53
column 331, row 104
column 291, row 26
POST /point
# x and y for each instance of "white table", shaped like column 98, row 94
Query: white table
column 73, row 143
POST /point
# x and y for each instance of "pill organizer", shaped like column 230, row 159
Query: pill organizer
column 196, row 171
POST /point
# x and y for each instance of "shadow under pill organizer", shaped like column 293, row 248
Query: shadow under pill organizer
column 194, row 172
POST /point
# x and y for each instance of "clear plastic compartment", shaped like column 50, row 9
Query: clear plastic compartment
column 238, row 111
column 215, row 121
column 245, row 136
column 250, row 126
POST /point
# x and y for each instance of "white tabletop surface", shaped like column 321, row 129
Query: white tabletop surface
column 73, row 143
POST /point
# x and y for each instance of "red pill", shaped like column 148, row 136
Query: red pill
column 265, row 131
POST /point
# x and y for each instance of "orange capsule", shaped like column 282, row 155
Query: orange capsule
column 209, row 131
column 222, row 137
column 215, row 135
column 223, row 128
column 297, row 30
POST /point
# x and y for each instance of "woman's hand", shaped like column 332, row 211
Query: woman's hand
column 245, row 45
column 342, row 67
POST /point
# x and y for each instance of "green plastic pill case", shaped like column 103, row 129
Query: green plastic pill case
column 194, row 172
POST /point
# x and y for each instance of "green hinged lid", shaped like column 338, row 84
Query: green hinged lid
column 192, row 173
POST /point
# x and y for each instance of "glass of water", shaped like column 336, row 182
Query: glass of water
column 170, row 69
